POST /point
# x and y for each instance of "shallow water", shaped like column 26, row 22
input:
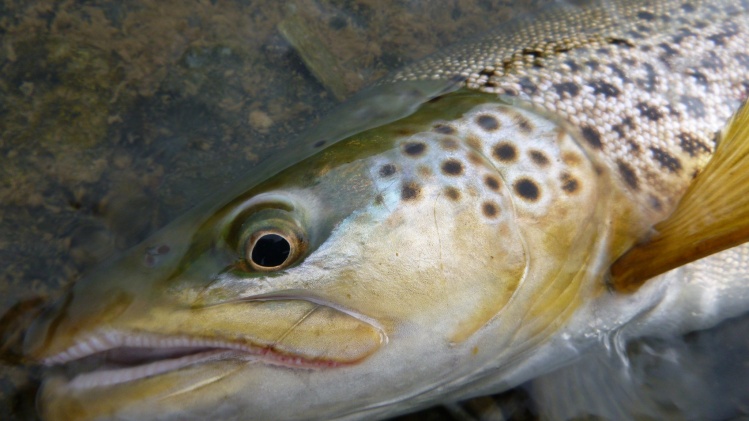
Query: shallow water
column 115, row 119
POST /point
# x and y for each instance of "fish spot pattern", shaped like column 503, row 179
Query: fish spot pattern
column 486, row 172
column 414, row 148
column 387, row 170
column 452, row 167
column 505, row 152
column 653, row 77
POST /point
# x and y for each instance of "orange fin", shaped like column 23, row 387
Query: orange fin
column 712, row 216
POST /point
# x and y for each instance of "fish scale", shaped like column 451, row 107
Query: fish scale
column 649, row 85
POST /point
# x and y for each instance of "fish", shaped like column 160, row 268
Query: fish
column 464, row 226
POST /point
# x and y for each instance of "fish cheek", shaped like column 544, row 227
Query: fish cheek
column 488, row 266
column 434, row 265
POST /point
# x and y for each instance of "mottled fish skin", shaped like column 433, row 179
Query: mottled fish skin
column 650, row 85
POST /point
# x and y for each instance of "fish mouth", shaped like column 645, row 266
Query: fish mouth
column 112, row 358
column 303, row 335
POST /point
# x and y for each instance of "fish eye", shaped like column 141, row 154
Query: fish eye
column 272, row 249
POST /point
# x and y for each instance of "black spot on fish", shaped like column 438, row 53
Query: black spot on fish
column 592, row 136
column 695, row 106
column 604, row 88
column 444, row 129
column 527, row 189
column 414, row 148
column 486, row 72
column 319, row 143
column 569, row 183
column 539, row 158
column 387, row 170
column 452, row 167
column 524, row 124
column 571, row 89
column 620, row 42
column 452, row 193
column 487, row 123
column 490, row 209
column 491, row 182
column 505, row 152
column 528, row 87
column 645, row 15
column 667, row 161
column 628, row 174
column 650, row 112
column 537, row 53
column 410, row 191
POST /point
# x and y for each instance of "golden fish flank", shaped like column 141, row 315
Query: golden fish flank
column 426, row 242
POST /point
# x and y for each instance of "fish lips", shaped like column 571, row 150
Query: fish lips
column 281, row 330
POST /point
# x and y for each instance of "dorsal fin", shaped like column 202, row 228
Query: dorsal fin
column 712, row 216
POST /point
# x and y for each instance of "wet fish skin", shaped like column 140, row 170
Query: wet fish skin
column 649, row 84
column 472, row 235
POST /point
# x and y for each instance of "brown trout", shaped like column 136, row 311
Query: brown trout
column 448, row 233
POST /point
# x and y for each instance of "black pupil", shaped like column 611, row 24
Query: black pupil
column 270, row 250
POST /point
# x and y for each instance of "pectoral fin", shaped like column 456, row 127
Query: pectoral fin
column 712, row 216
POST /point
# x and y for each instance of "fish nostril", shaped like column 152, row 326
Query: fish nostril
column 270, row 250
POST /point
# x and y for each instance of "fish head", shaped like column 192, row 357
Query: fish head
column 386, row 271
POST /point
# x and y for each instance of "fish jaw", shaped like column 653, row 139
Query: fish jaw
column 197, row 347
